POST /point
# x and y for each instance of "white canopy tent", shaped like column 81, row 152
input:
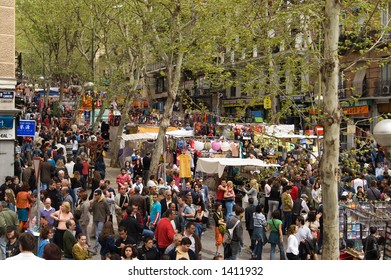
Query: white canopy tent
column 153, row 136
column 217, row 165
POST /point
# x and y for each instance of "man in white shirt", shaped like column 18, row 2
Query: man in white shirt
column 26, row 246
column 360, row 181
column 303, row 236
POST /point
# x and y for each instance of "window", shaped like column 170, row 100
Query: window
column 161, row 85
column 385, row 73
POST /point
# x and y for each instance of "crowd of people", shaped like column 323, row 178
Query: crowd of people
column 141, row 217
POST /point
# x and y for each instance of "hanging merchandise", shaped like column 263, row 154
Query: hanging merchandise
column 199, row 146
column 225, row 146
column 191, row 143
column 181, row 144
column 172, row 144
column 216, row 145
column 208, row 146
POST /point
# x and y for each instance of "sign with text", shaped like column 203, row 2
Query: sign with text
column 6, row 122
column 357, row 110
column 7, row 134
column 6, row 96
column 26, row 128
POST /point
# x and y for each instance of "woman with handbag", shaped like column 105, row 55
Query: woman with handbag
column 274, row 225
column 259, row 234
column 220, row 226
column 60, row 217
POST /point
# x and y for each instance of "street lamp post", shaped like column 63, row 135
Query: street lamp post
column 382, row 135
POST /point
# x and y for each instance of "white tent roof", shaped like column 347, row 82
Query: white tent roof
column 146, row 136
column 217, row 165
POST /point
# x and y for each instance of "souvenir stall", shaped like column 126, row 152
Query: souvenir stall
column 354, row 222
column 282, row 140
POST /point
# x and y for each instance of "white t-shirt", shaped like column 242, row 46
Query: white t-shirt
column 293, row 245
column 25, row 256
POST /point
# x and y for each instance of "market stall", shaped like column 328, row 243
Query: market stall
column 217, row 165
column 355, row 220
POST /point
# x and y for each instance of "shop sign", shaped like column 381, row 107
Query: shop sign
column 7, row 134
column 26, row 128
column 6, row 96
column 358, row 110
column 6, row 122
column 267, row 102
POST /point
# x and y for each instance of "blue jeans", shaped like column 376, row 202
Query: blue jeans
column 148, row 232
column 198, row 230
column 98, row 231
column 229, row 206
column 273, row 250
column 273, row 205
column 258, row 250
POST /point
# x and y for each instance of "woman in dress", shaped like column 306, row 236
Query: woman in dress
column 220, row 226
column 61, row 216
column 23, row 201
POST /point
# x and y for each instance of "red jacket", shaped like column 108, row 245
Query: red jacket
column 295, row 193
column 164, row 233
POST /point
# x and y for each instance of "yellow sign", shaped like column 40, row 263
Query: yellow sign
column 267, row 102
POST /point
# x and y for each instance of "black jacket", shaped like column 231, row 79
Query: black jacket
column 151, row 254
column 133, row 228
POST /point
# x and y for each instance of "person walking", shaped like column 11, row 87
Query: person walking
column 371, row 246
column 100, row 211
column 259, row 234
column 220, row 226
column 292, row 252
column 7, row 218
column 274, row 225
column 236, row 244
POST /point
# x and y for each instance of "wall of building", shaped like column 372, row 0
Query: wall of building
column 7, row 85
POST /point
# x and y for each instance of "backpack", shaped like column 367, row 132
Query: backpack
column 228, row 234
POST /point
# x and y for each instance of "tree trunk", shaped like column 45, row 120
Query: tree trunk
column 77, row 106
column 331, row 122
column 273, row 87
column 158, row 148
column 124, row 112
